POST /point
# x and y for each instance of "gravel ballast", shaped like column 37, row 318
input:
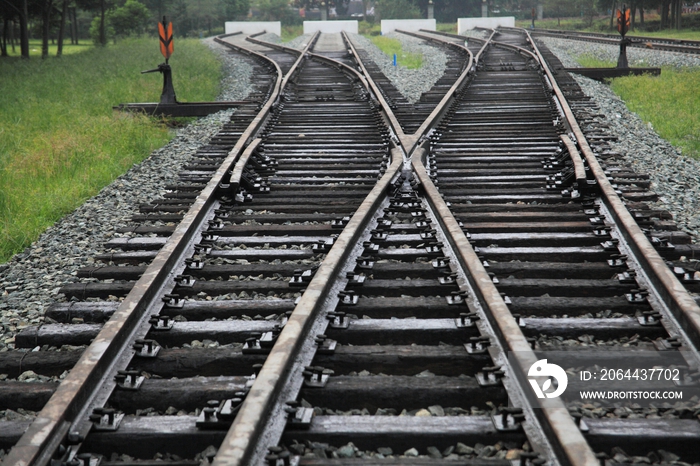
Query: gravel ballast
column 30, row 281
column 411, row 83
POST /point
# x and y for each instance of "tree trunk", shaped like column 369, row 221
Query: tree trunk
column 61, row 28
column 103, row 34
column 23, row 30
column 662, row 15
column 46, row 27
column 679, row 13
column 13, row 39
column 641, row 17
column 672, row 17
column 3, row 39
column 612, row 14
column 633, row 14
column 74, row 24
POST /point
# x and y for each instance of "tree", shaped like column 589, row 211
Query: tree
column 132, row 18
column 272, row 10
column 19, row 10
column 397, row 9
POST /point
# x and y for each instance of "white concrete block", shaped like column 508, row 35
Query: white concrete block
column 330, row 26
column 465, row 24
column 253, row 27
column 411, row 25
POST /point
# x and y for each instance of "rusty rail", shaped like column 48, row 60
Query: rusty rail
column 673, row 293
column 89, row 383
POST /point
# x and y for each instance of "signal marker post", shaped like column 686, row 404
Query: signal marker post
column 165, row 32
column 623, row 25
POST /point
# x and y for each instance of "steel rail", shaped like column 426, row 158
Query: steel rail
column 239, row 446
column 569, row 444
column 654, row 43
column 435, row 116
column 89, row 384
column 673, row 293
column 406, row 141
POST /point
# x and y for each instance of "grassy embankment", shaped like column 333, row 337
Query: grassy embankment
column 60, row 141
column 671, row 103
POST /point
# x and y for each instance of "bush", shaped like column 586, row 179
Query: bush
column 398, row 9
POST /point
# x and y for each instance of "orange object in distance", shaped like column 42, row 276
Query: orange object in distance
column 166, row 39
column 623, row 21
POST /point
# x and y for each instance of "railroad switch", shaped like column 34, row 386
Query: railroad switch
column 508, row 420
column 167, row 96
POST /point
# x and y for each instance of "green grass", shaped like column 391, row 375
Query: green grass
column 35, row 48
column 60, row 140
column 393, row 46
column 588, row 61
column 669, row 34
column 447, row 27
column 674, row 113
column 291, row 31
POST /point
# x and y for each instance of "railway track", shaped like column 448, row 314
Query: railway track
column 656, row 43
column 334, row 283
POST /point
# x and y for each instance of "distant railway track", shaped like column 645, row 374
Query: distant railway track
column 332, row 282
column 654, row 43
